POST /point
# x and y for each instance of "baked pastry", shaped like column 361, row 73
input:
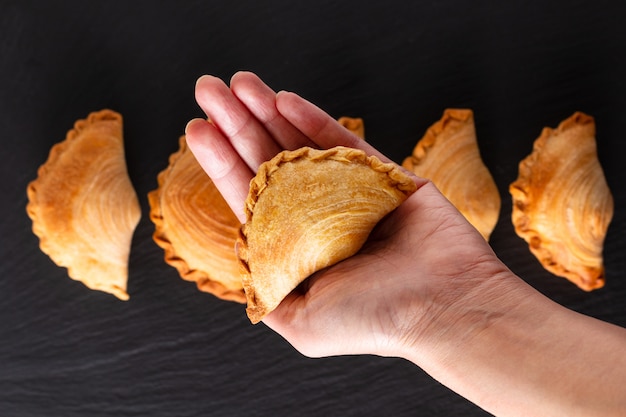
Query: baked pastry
column 448, row 155
column 306, row 210
column 562, row 205
column 196, row 227
column 83, row 205
column 354, row 125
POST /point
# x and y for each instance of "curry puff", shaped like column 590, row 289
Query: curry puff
column 196, row 227
column 306, row 210
column 449, row 156
column 83, row 206
column 562, row 205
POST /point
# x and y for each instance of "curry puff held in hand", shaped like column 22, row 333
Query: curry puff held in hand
column 196, row 227
column 448, row 155
column 309, row 209
column 562, row 205
column 83, row 206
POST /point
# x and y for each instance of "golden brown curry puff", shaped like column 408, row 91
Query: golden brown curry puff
column 196, row 227
column 83, row 206
column 309, row 209
column 448, row 155
column 562, row 205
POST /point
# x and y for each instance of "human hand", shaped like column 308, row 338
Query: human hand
column 425, row 286
column 420, row 261
column 250, row 125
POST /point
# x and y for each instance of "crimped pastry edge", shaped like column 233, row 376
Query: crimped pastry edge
column 355, row 125
column 53, row 157
column 258, row 184
column 423, row 146
column 55, row 153
column 518, row 190
column 202, row 279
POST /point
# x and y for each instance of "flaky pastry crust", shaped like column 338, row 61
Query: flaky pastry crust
column 449, row 156
column 195, row 227
column 562, row 205
column 309, row 209
column 83, row 206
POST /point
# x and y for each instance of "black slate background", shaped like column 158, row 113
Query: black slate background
column 174, row 351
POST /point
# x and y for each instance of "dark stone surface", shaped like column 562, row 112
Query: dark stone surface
column 174, row 351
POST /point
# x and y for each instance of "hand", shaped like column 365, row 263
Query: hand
column 425, row 286
column 421, row 259
column 250, row 125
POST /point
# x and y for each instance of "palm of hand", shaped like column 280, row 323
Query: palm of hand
column 357, row 305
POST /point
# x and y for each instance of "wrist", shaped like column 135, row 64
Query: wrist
column 513, row 351
column 457, row 316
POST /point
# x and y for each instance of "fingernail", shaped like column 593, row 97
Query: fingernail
column 192, row 121
column 203, row 78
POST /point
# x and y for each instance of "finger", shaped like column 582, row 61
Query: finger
column 322, row 129
column 260, row 100
column 246, row 134
column 215, row 154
